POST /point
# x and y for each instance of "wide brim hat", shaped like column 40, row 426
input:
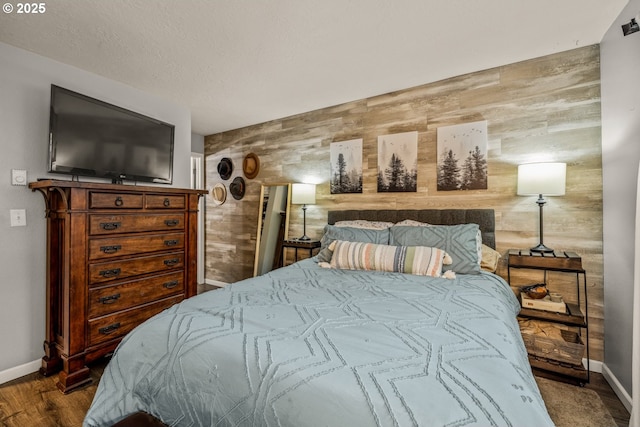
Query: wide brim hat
column 219, row 194
column 251, row 165
column 225, row 168
column 237, row 188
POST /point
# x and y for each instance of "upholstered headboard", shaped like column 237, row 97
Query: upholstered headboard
column 485, row 218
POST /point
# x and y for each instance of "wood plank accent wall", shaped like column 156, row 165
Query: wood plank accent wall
column 544, row 109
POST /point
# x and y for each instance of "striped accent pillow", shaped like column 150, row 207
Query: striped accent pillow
column 418, row 260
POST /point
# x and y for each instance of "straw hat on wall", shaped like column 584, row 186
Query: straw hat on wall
column 219, row 194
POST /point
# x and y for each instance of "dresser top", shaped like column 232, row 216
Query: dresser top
column 55, row 183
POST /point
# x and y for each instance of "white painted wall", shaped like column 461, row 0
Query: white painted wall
column 620, row 76
column 197, row 143
column 25, row 84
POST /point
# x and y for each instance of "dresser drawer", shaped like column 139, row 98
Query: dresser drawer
column 110, row 247
column 98, row 200
column 116, row 224
column 116, row 325
column 110, row 299
column 159, row 201
column 123, row 269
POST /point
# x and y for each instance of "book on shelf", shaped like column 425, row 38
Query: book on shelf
column 543, row 304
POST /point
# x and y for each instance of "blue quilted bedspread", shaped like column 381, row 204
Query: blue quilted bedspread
column 306, row 346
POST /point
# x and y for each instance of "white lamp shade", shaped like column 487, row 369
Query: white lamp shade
column 542, row 178
column 303, row 194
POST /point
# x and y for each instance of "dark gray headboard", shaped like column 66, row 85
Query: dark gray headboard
column 485, row 218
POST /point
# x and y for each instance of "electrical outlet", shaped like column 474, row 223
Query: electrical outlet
column 18, row 177
column 18, row 217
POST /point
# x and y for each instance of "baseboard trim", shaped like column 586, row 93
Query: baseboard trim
column 622, row 394
column 594, row 365
column 215, row 283
column 19, row 371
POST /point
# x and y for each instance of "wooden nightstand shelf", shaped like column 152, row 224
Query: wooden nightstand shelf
column 566, row 262
column 309, row 245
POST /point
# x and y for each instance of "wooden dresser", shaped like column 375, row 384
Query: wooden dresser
column 116, row 255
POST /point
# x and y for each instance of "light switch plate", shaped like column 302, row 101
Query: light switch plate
column 18, row 177
column 18, row 217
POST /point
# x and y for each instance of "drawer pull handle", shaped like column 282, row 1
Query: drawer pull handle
column 171, row 222
column 110, row 299
column 110, row 249
column 171, row 284
column 171, row 262
column 119, row 202
column 108, row 329
column 166, row 202
column 110, row 273
column 109, row 225
column 171, row 242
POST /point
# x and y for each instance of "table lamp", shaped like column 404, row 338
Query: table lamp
column 542, row 179
column 303, row 194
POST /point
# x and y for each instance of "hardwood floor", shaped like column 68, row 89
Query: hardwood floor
column 34, row 400
column 617, row 410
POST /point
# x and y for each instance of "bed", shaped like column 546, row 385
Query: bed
column 311, row 346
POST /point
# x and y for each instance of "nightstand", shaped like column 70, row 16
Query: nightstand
column 555, row 363
column 309, row 245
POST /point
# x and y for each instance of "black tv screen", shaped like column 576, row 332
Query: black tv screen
column 88, row 137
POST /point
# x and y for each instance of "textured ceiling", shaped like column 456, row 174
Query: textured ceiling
column 239, row 62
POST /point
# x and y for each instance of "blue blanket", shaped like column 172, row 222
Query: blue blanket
column 306, row 346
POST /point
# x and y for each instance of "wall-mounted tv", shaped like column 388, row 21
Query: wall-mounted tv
column 89, row 137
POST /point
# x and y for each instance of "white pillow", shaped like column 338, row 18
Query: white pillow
column 365, row 224
column 413, row 223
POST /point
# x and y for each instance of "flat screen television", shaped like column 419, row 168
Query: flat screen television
column 92, row 138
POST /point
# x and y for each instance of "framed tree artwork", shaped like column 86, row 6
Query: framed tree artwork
column 346, row 166
column 462, row 157
column 397, row 162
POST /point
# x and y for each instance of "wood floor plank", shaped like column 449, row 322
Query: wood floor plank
column 34, row 400
column 615, row 407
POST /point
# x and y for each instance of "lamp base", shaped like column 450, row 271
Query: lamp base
column 304, row 237
column 540, row 248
